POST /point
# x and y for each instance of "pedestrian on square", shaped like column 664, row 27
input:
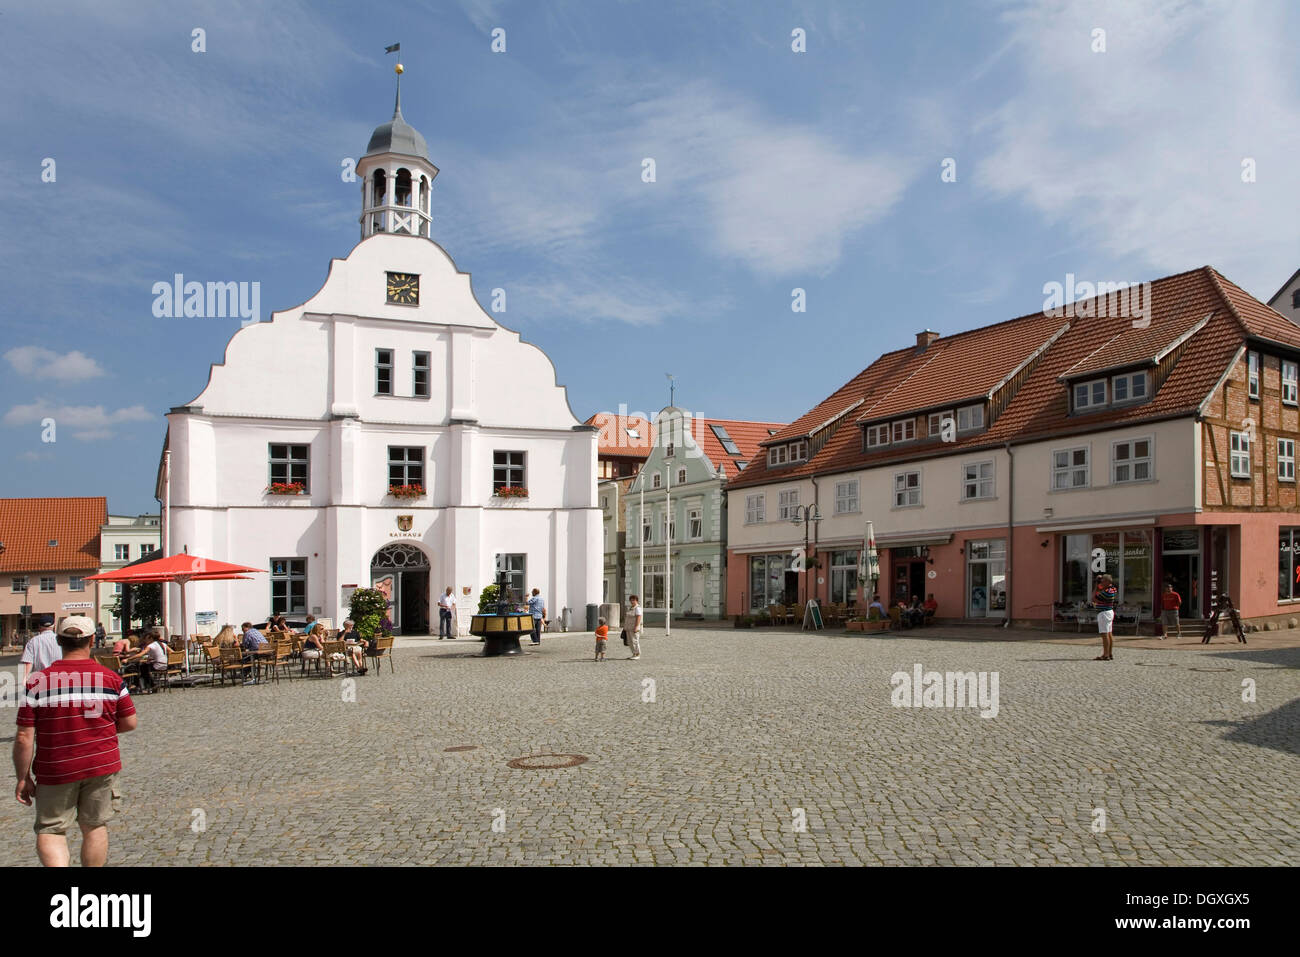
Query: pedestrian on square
column 634, row 620
column 537, row 608
column 602, row 638
column 65, row 752
column 446, row 611
column 42, row 649
column 1104, row 598
column 1170, row 604
column 100, row 634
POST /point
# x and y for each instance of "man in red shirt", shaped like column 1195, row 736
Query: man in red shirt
column 68, row 720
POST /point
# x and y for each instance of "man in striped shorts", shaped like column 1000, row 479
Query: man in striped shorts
column 65, row 751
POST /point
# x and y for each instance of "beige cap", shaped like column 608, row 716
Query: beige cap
column 77, row 626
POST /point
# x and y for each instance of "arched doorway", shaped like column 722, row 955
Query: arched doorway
column 401, row 571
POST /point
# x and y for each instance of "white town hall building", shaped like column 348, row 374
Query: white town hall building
column 373, row 436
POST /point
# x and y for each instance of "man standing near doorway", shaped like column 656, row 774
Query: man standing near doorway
column 65, row 751
column 1105, row 598
column 537, row 607
column 446, row 612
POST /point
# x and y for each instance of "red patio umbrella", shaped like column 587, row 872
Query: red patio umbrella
column 181, row 569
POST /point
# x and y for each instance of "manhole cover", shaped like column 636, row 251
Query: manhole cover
column 462, row 747
column 546, row 762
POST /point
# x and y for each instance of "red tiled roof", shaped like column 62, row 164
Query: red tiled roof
column 1132, row 347
column 966, row 366
column 1040, row 407
column 1258, row 319
column 746, row 436
column 27, row 526
column 614, row 439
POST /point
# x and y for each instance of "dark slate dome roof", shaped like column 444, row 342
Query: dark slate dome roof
column 397, row 136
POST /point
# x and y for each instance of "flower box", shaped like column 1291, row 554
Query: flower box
column 406, row 491
column 285, row 488
column 510, row 491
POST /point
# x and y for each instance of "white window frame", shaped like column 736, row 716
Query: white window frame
column 1286, row 460
column 904, row 490
column 668, row 526
column 799, row 451
column 978, row 480
column 695, row 524
column 1130, row 381
column 1253, row 366
column 846, row 495
column 681, row 476
column 974, row 416
column 787, row 500
column 776, row 455
column 755, row 508
column 1133, row 461
column 1239, row 454
column 1071, row 467
column 656, row 480
column 1290, row 382
column 18, row 584
column 934, row 424
column 76, row 583
column 878, row 435
column 647, row 529
column 902, row 430
column 122, row 553
column 1089, row 387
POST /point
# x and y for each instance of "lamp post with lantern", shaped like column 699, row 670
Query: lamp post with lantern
column 806, row 514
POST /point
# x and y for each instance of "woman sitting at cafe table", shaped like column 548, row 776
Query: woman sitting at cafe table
column 356, row 645
column 313, row 646
column 227, row 637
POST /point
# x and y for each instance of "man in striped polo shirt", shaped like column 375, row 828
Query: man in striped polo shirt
column 68, row 721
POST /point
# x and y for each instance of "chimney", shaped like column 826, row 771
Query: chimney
column 923, row 339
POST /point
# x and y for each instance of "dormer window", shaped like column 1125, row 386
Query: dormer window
column 789, row 453
column 877, row 435
column 1129, row 388
column 970, row 418
column 903, row 430
column 935, row 426
column 1089, row 395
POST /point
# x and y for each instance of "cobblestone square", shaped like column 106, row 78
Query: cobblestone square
column 749, row 734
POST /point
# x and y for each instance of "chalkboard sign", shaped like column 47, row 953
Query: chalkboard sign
column 812, row 616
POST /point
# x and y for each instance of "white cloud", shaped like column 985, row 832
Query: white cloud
column 66, row 367
column 86, row 422
column 1137, row 152
column 587, row 298
column 776, row 196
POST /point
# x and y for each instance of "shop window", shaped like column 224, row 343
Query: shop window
column 1288, row 564
column 844, row 577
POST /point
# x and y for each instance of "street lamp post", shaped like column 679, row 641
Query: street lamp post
column 668, row 540
column 806, row 514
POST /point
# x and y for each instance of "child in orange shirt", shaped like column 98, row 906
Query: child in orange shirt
column 602, row 638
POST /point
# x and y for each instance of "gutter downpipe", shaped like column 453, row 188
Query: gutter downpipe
column 1011, row 514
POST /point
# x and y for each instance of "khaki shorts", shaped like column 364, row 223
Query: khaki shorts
column 91, row 802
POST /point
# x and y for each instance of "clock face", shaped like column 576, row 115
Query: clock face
column 404, row 288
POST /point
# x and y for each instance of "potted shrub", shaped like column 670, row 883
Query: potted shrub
column 369, row 609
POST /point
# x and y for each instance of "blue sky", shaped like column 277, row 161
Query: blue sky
column 774, row 170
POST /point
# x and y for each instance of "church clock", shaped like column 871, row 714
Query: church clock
column 404, row 288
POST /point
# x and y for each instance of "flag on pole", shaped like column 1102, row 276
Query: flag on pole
column 396, row 47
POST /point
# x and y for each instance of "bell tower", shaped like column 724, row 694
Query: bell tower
column 396, row 177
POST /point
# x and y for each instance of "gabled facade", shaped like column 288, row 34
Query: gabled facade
column 386, row 433
column 676, row 506
column 623, row 442
column 1004, row 473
